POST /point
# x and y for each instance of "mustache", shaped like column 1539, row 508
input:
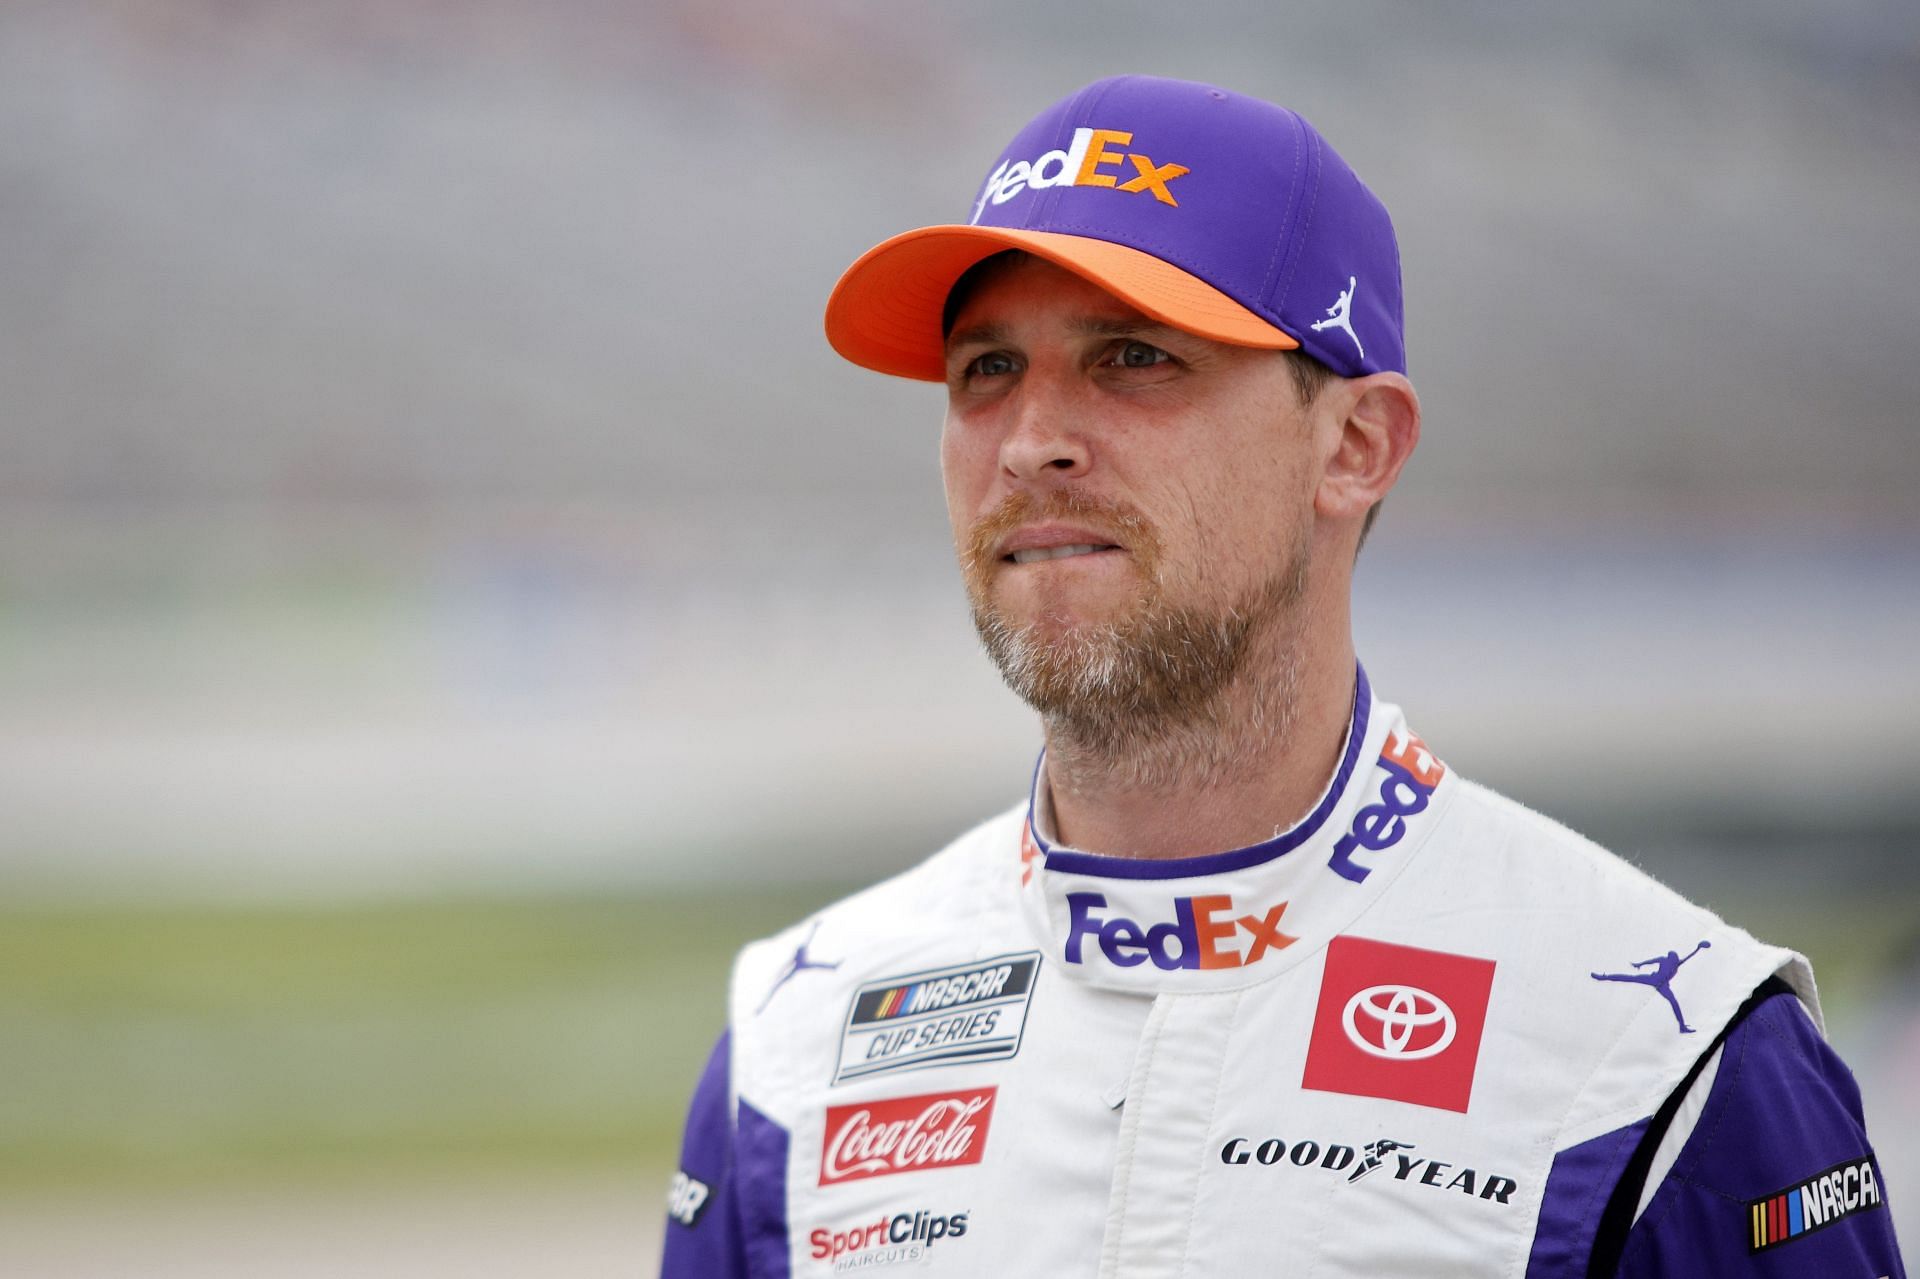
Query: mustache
column 1117, row 521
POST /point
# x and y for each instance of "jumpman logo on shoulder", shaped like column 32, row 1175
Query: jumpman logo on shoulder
column 1659, row 974
column 795, row 966
column 1339, row 316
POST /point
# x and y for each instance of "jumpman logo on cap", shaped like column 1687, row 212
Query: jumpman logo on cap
column 1660, row 978
column 1339, row 316
column 795, row 966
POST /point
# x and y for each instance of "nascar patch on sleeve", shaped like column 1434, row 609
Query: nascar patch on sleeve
column 1820, row 1201
column 966, row 1013
column 687, row 1199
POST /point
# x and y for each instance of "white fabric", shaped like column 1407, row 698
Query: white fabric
column 1068, row 1185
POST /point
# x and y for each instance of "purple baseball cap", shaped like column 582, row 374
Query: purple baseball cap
column 1213, row 212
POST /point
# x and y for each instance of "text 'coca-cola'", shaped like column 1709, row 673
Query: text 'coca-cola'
column 905, row 1134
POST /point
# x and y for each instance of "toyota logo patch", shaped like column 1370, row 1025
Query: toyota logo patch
column 1401, row 1022
column 1398, row 1022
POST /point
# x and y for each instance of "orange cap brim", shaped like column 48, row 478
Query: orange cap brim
column 885, row 312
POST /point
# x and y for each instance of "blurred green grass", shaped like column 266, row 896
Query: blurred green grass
column 171, row 1045
column 180, row 1046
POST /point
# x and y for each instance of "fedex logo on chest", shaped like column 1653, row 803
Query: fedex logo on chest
column 1087, row 161
column 1205, row 932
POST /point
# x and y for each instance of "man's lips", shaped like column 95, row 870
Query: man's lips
column 1053, row 542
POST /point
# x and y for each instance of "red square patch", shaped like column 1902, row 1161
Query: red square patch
column 1398, row 1022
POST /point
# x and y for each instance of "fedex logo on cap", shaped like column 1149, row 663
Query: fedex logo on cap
column 1087, row 161
column 1203, row 933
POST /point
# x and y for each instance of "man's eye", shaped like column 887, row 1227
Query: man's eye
column 1138, row 355
column 992, row 364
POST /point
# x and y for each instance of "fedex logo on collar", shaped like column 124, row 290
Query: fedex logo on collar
column 1084, row 162
column 1202, row 934
column 1411, row 773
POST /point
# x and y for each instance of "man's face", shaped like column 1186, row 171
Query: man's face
column 1132, row 504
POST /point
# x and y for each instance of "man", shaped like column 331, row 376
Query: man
column 1252, row 982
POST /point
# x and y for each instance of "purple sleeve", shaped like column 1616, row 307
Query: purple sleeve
column 727, row 1210
column 703, row 1223
column 1580, row 1186
column 1778, row 1177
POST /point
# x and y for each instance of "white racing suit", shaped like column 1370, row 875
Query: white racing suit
column 1425, row 1031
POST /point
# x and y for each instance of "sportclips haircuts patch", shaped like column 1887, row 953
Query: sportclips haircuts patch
column 885, row 1240
column 967, row 1013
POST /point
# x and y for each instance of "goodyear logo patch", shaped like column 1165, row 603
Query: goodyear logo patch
column 967, row 1013
column 1819, row 1201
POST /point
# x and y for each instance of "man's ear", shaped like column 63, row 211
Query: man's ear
column 1377, row 418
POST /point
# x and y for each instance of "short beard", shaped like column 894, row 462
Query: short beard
column 1166, row 696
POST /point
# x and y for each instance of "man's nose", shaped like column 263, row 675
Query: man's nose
column 1045, row 440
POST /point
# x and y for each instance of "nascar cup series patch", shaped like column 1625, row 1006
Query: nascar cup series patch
column 966, row 1013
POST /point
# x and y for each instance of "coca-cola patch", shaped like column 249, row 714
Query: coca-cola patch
column 905, row 1134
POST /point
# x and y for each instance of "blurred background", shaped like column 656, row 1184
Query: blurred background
column 451, row 596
